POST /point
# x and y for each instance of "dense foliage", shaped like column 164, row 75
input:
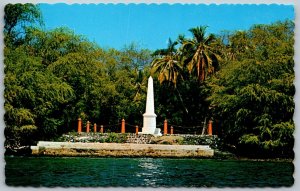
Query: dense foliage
column 252, row 95
column 243, row 81
column 54, row 77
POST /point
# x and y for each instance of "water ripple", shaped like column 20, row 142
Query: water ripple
column 154, row 172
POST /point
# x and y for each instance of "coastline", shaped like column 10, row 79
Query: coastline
column 132, row 145
column 45, row 148
column 131, row 150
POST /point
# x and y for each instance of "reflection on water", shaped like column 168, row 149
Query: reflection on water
column 150, row 169
column 155, row 172
column 149, row 163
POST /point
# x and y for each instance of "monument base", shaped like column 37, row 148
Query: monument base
column 149, row 123
column 155, row 133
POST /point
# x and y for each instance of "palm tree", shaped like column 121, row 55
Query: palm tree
column 169, row 67
column 167, row 64
column 200, row 55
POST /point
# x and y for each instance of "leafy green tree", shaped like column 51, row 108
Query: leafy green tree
column 253, row 96
column 17, row 17
column 130, row 74
column 33, row 98
column 133, row 57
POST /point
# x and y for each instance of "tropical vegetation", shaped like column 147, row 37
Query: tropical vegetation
column 241, row 80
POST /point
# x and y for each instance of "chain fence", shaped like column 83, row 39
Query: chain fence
column 131, row 128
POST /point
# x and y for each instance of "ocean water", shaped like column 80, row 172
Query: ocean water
column 145, row 172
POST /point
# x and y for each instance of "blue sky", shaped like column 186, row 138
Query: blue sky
column 151, row 25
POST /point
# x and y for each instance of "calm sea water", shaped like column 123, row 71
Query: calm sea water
column 153, row 172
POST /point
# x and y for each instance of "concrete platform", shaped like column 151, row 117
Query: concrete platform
column 120, row 150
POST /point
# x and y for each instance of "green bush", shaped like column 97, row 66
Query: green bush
column 116, row 138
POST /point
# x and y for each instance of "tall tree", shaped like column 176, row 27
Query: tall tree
column 253, row 95
column 201, row 57
column 34, row 98
column 167, row 64
column 19, row 16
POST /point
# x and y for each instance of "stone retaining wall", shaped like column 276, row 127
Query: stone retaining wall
column 139, row 139
column 120, row 150
column 181, row 139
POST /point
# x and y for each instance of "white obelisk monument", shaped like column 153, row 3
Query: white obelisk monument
column 149, row 118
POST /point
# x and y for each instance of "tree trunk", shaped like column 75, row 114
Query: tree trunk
column 186, row 110
column 204, row 127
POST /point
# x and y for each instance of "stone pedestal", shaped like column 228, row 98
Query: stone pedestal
column 149, row 122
